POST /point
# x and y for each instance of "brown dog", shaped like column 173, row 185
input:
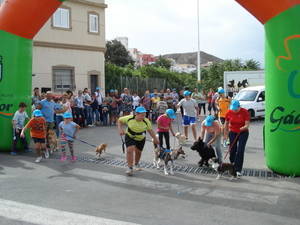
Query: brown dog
column 101, row 148
column 178, row 152
column 52, row 141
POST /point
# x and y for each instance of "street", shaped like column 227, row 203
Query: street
column 92, row 191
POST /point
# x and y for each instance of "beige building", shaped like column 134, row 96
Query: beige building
column 68, row 51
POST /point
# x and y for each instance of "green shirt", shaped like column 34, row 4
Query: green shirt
column 136, row 126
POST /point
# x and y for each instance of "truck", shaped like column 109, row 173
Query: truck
column 234, row 81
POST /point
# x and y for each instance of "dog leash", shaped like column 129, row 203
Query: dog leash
column 84, row 142
column 123, row 144
column 231, row 146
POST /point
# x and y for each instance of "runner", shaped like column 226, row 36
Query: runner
column 135, row 136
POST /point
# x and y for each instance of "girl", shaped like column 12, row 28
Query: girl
column 164, row 125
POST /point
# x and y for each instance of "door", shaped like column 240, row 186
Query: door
column 93, row 82
column 261, row 104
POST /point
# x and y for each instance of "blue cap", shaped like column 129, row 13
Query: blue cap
column 140, row 109
column 37, row 113
column 97, row 88
column 171, row 113
column 67, row 115
column 209, row 121
column 235, row 104
column 221, row 91
column 187, row 93
column 112, row 90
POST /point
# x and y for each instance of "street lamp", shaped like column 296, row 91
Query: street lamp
column 198, row 53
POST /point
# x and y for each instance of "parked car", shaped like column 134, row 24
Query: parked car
column 253, row 99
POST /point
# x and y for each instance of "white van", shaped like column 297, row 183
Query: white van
column 253, row 99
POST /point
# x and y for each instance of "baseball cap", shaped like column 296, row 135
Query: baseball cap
column 140, row 109
column 209, row 121
column 221, row 91
column 187, row 93
column 235, row 104
column 67, row 115
column 171, row 113
column 37, row 113
column 97, row 88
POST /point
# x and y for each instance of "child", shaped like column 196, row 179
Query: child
column 68, row 130
column 37, row 126
column 18, row 124
column 162, row 106
column 164, row 124
column 105, row 111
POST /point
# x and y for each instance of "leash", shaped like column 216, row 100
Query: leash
column 231, row 146
column 123, row 144
column 84, row 142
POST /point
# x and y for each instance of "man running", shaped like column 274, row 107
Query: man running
column 135, row 136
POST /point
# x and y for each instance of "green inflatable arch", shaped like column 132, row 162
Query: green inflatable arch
column 20, row 20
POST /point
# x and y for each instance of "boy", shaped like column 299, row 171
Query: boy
column 162, row 106
column 37, row 126
column 18, row 124
column 68, row 130
column 164, row 124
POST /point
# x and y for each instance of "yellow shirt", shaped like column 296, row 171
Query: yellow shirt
column 223, row 104
column 136, row 126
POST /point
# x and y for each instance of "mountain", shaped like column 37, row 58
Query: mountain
column 191, row 58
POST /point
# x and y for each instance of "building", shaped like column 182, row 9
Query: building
column 183, row 68
column 68, row 51
column 124, row 41
column 147, row 59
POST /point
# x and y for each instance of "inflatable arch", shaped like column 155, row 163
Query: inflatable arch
column 20, row 20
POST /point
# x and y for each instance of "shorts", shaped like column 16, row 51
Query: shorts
column 39, row 140
column 188, row 120
column 222, row 120
column 131, row 142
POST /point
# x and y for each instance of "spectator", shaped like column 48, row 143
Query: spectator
column 127, row 102
column 169, row 98
column 79, row 109
column 146, row 102
column 87, row 100
column 136, row 100
column 95, row 110
column 162, row 106
column 100, row 98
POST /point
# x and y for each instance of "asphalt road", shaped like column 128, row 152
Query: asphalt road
column 86, row 192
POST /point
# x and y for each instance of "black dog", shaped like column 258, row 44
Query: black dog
column 221, row 168
column 204, row 151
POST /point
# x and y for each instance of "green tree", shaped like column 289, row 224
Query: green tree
column 252, row 64
column 163, row 62
column 117, row 54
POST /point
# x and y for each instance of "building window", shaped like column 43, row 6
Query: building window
column 63, row 79
column 93, row 23
column 61, row 18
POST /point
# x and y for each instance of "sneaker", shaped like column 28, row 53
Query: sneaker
column 13, row 153
column 129, row 172
column 73, row 158
column 46, row 154
column 38, row 159
column 27, row 150
column 63, row 158
column 138, row 167
column 238, row 175
column 227, row 142
column 224, row 144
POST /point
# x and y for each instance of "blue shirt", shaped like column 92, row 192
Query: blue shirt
column 68, row 129
column 48, row 110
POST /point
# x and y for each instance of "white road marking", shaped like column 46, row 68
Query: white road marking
column 46, row 216
column 177, row 188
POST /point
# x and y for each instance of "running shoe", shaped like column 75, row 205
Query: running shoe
column 46, row 154
column 73, row 158
column 63, row 158
column 38, row 159
column 138, row 167
column 129, row 172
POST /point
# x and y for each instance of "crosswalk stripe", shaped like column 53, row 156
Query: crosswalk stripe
column 46, row 216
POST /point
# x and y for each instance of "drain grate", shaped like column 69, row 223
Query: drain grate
column 177, row 168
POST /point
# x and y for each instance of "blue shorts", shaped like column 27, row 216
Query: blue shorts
column 187, row 120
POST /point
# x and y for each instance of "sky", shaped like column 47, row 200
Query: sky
column 159, row 27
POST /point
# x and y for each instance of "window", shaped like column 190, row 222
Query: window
column 93, row 23
column 61, row 18
column 63, row 79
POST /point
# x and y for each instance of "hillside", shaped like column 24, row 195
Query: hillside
column 191, row 58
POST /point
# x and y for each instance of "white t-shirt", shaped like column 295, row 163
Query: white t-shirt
column 20, row 119
column 189, row 107
column 136, row 101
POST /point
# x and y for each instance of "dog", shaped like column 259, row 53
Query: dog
column 164, row 155
column 53, row 143
column 181, row 138
column 178, row 152
column 204, row 151
column 221, row 168
column 100, row 149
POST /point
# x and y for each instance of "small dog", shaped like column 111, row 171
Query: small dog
column 164, row 155
column 52, row 138
column 204, row 151
column 221, row 168
column 100, row 149
column 181, row 138
column 178, row 152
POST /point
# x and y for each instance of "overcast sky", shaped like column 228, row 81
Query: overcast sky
column 170, row 26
